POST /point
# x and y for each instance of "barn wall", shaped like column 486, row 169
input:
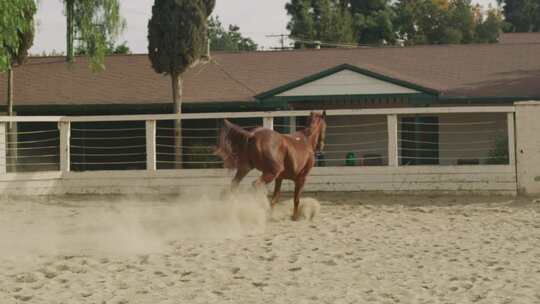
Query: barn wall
column 344, row 131
column 467, row 141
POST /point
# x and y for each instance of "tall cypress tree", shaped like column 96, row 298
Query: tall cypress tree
column 177, row 39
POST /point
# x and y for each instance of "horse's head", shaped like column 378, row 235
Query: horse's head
column 317, row 125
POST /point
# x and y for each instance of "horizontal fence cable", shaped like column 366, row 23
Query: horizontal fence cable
column 109, row 163
column 106, row 155
column 190, row 162
column 203, row 129
column 108, row 148
column 444, row 150
column 349, row 151
column 33, row 148
column 451, row 123
column 449, row 143
column 32, row 156
column 357, row 143
column 445, row 158
column 454, row 132
column 188, row 129
column 108, row 130
column 332, row 126
column 356, row 133
column 33, row 132
column 193, row 147
column 354, row 158
column 34, row 141
column 109, row 138
column 187, row 137
column 32, row 164
column 188, row 154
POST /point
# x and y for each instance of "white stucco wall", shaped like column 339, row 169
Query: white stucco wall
column 347, row 83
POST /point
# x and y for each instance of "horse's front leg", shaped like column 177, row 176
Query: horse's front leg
column 238, row 177
column 277, row 192
column 298, row 187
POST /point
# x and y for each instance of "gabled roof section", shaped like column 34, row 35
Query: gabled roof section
column 346, row 80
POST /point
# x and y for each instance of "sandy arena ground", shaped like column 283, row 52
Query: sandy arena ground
column 359, row 249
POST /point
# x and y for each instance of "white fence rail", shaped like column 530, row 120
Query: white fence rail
column 386, row 144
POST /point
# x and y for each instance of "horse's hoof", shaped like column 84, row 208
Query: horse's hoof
column 294, row 218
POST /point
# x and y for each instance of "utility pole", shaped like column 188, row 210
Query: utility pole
column 281, row 40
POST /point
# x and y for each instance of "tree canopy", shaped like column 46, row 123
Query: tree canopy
column 177, row 34
column 521, row 15
column 93, row 24
column 319, row 20
column 16, row 31
column 112, row 49
column 377, row 22
column 228, row 40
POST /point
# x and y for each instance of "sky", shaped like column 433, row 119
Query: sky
column 256, row 19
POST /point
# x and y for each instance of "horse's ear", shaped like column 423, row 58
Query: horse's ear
column 324, row 114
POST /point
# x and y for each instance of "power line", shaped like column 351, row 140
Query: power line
column 281, row 40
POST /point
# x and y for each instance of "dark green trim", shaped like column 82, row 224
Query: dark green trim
column 234, row 106
column 475, row 100
column 95, row 109
column 408, row 97
column 339, row 68
column 164, row 108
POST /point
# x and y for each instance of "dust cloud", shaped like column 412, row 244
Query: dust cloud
column 126, row 225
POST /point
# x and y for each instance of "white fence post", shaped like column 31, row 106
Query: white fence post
column 393, row 153
column 511, row 139
column 268, row 122
column 3, row 148
column 292, row 124
column 65, row 138
column 151, row 145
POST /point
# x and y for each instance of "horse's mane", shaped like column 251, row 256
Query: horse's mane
column 232, row 141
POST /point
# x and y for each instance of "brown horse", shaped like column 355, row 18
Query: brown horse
column 276, row 155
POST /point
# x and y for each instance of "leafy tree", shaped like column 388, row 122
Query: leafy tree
column 16, row 37
column 16, row 31
column 328, row 21
column 302, row 24
column 445, row 22
column 177, row 40
column 373, row 20
column 462, row 20
column 93, row 23
column 488, row 31
column 228, row 40
column 112, row 49
column 521, row 15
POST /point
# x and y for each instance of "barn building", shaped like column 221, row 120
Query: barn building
column 441, row 76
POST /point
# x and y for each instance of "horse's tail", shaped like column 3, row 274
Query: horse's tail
column 232, row 143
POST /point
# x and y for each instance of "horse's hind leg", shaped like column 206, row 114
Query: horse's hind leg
column 277, row 192
column 298, row 187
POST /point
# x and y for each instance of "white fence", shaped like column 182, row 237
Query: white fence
column 404, row 149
